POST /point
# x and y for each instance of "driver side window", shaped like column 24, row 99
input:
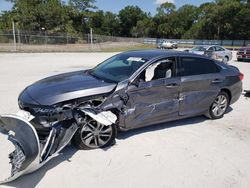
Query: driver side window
column 161, row 69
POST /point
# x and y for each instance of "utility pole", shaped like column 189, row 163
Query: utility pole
column 14, row 35
column 91, row 36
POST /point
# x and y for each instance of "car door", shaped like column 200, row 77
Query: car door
column 200, row 84
column 220, row 51
column 154, row 98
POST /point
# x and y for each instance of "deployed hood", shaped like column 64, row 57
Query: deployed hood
column 65, row 87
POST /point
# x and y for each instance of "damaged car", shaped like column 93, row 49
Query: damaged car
column 127, row 91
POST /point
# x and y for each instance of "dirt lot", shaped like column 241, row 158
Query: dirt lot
column 96, row 47
column 195, row 152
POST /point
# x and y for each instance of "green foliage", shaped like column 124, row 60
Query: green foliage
column 82, row 5
column 219, row 19
column 129, row 16
column 166, row 8
column 5, row 20
column 144, row 28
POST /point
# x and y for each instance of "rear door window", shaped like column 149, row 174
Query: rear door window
column 197, row 66
column 219, row 49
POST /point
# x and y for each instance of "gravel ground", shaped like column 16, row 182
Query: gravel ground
column 194, row 152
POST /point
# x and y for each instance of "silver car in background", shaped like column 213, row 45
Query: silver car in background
column 165, row 44
column 214, row 51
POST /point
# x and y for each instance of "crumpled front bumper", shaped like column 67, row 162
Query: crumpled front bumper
column 26, row 156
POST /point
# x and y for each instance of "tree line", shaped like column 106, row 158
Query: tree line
column 220, row 19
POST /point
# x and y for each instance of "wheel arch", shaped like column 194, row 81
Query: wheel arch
column 228, row 92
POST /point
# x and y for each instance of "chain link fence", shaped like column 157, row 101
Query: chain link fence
column 43, row 41
column 29, row 41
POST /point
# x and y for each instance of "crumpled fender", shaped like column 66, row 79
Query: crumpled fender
column 26, row 156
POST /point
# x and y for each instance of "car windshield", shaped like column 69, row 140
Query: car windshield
column 117, row 68
column 199, row 48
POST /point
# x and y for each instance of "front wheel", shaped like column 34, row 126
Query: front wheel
column 226, row 59
column 219, row 106
column 93, row 135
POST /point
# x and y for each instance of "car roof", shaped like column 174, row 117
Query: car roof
column 153, row 53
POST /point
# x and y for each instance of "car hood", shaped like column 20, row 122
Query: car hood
column 64, row 87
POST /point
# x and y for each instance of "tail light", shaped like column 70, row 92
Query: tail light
column 241, row 76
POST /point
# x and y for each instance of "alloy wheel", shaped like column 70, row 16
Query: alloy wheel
column 95, row 135
column 219, row 106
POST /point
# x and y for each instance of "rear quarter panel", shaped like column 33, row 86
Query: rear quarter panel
column 232, row 81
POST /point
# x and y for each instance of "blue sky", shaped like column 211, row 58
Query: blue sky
column 116, row 5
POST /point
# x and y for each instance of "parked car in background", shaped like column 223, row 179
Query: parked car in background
column 168, row 45
column 214, row 51
column 243, row 53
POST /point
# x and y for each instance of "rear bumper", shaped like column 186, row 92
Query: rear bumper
column 236, row 91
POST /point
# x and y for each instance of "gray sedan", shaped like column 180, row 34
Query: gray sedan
column 127, row 91
column 136, row 89
column 215, row 51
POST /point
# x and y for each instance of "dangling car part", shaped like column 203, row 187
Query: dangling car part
column 128, row 91
column 32, row 150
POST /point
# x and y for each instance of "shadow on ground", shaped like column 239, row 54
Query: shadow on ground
column 32, row 180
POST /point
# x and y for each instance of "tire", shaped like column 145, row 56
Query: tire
column 226, row 59
column 88, row 136
column 219, row 106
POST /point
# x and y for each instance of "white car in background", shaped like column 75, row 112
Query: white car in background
column 169, row 45
column 214, row 51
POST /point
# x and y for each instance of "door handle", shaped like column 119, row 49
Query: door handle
column 217, row 81
column 174, row 85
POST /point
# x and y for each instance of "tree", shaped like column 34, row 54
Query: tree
column 35, row 14
column 166, row 8
column 110, row 25
column 129, row 16
column 5, row 20
column 219, row 19
column 82, row 5
column 144, row 28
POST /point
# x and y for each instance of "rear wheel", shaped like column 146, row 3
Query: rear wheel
column 93, row 135
column 219, row 106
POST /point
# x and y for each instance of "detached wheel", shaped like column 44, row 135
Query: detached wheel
column 93, row 135
column 219, row 106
